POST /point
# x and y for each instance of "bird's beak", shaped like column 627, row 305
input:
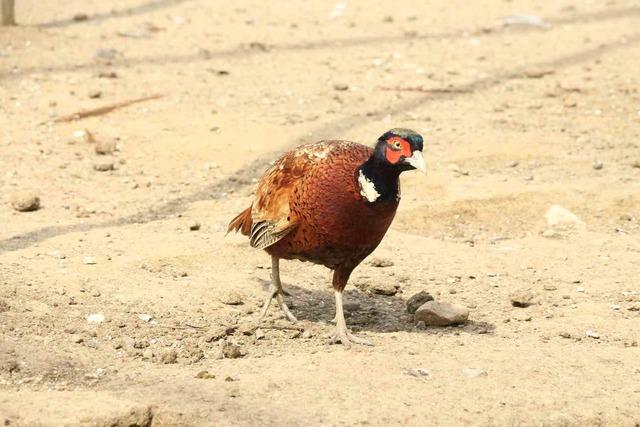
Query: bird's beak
column 417, row 161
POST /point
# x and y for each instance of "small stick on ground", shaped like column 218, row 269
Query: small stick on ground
column 100, row 110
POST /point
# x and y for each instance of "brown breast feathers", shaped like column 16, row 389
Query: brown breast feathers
column 309, row 206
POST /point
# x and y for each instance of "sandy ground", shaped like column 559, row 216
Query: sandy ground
column 516, row 118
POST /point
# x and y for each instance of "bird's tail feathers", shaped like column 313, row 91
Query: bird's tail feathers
column 241, row 223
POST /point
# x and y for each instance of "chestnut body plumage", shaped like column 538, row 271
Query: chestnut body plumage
column 329, row 203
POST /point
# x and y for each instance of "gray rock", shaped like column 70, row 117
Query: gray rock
column 434, row 313
column 414, row 303
column 25, row 201
column 523, row 298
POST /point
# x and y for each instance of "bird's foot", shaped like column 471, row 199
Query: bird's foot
column 346, row 338
column 285, row 310
column 283, row 306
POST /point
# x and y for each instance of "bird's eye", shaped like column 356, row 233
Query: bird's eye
column 397, row 145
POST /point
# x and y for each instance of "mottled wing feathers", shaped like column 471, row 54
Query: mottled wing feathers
column 271, row 216
column 266, row 233
column 271, row 209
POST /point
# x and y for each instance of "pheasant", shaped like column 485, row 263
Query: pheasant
column 329, row 203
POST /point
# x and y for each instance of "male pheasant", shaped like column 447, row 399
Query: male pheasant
column 329, row 203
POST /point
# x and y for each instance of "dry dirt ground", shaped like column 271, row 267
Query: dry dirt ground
column 516, row 118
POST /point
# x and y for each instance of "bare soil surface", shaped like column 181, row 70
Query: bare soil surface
column 113, row 311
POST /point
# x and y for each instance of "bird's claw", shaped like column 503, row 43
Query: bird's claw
column 346, row 338
column 283, row 306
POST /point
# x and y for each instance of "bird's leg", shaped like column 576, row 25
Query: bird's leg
column 341, row 333
column 275, row 291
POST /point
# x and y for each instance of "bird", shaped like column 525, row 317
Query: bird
column 329, row 203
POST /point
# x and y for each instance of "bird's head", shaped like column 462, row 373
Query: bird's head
column 401, row 150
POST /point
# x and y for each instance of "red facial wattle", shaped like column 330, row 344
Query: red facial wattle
column 396, row 149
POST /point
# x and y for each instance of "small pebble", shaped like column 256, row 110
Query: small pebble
column 551, row 234
column 231, row 351
column 380, row 262
column 434, row 313
column 231, row 298
column 474, row 372
column 169, row 357
column 195, row 226
column 94, row 94
column 522, row 298
column 80, row 17
column 57, row 255
column 88, row 260
column 340, row 86
column 25, row 201
column 104, row 166
column 105, row 147
column 414, row 303
column 593, row 334
column 145, row 317
column 205, row 375
column 96, row 318
column 597, row 165
column 385, row 288
column 418, row 372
